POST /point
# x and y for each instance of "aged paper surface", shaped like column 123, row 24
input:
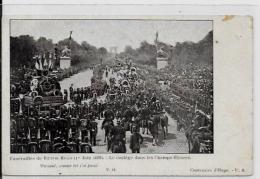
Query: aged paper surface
column 231, row 153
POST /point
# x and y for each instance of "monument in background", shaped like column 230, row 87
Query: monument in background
column 161, row 56
column 65, row 59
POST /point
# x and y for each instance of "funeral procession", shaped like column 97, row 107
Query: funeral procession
column 111, row 86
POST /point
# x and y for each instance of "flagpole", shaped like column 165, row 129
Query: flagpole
column 70, row 40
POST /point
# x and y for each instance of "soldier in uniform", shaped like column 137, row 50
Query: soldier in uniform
column 93, row 132
column 135, row 140
column 85, row 146
column 71, row 91
column 65, row 148
column 45, row 145
column 65, row 96
column 41, row 127
column 73, row 145
column 118, row 138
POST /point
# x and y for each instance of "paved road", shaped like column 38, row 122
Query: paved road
column 78, row 80
column 175, row 143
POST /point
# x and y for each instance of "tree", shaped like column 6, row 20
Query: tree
column 102, row 51
column 24, row 47
column 22, row 50
column 144, row 54
column 44, row 45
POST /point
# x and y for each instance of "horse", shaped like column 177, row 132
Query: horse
column 197, row 131
column 144, row 125
column 118, row 147
column 145, row 113
column 153, row 126
column 107, row 126
column 164, row 125
column 196, row 136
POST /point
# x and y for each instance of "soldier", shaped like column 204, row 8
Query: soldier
column 135, row 140
column 45, row 145
column 32, row 146
column 106, row 73
column 93, row 132
column 63, row 111
column 41, row 127
column 53, row 113
column 71, row 92
column 63, row 126
column 84, row 125
column 85, row 147
column 74, row 124
column 118, row 139
column 65, row 96
column 51, row 128
column 72, row 145
column 65, row 148
column 82, row 93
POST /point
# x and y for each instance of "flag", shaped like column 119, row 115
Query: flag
column 37, row 63
column 50, row 64
column 70, row 34
column 37, row 66
column 45, row 64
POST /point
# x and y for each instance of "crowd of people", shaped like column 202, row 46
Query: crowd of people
column 21, row 77
column 129, row 100
column 73, row 127
column 192, row 83
column 187, row 94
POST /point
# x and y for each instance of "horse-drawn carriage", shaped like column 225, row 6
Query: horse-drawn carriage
column 44, row 92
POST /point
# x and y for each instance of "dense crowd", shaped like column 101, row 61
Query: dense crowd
column 128, row 102
column 193, row 84
column 21, row 77
column 73, row 127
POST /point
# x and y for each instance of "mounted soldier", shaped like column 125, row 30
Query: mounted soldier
column 118, row 139
column 145, row 115
column 84, row 127
column 128, row 115
column 107, row 126
column 153, row 126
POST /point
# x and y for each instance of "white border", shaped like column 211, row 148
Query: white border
column 191, row 9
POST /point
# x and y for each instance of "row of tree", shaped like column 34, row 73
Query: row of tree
column 182, row 53
column 24, row 47
column 145, row 54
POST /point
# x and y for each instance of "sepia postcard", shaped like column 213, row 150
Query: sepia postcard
column 127, row 95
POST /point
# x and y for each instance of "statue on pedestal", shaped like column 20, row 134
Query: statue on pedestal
column 66, row 52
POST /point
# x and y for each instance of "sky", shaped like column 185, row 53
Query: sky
column 108, row 33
